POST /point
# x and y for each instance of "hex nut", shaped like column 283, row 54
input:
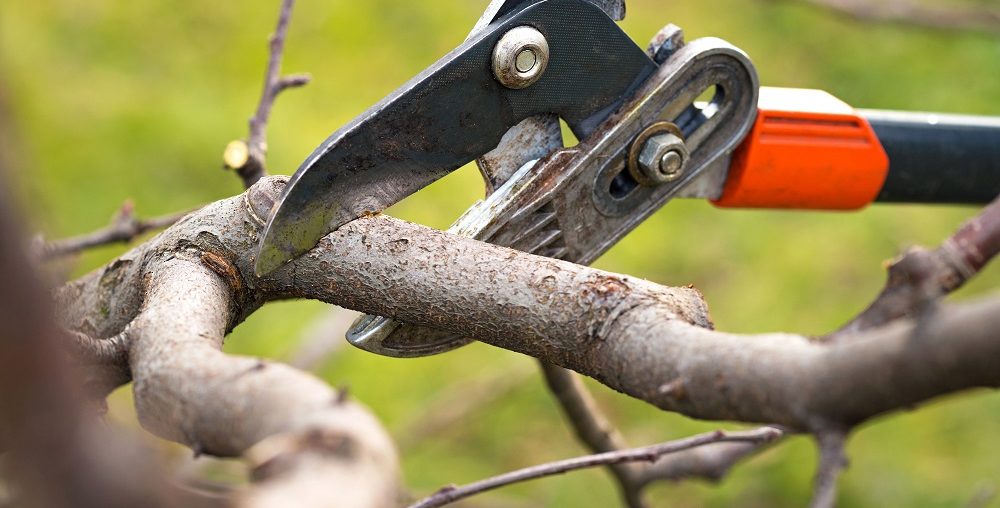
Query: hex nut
column 661, row 160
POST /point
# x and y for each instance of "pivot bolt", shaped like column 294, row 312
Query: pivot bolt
column 520, row 57
column 661, row 160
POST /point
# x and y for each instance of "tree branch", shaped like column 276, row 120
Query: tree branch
column 303, row 440
column 648, row 341
column 593, row 429
column 921, row 277
column 248, row 158
column 710, row 462
column 832, row 462
column 915, row 13
column 645, row 340
column 124, row 228
column 451, row 494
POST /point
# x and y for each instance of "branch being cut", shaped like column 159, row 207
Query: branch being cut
column 451, row 494
column 248, row 157
column 648, row 341
column 124, row 228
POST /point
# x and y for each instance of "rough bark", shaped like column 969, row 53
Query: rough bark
column 648, row 341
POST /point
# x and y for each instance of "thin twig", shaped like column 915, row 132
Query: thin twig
column 914, row 13
column 832, row 462
column 248, row 160
column 592, row 428
column 453, row 493
column 124, row 228
column 921, row 277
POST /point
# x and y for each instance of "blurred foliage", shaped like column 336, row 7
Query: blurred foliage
column 116, row 99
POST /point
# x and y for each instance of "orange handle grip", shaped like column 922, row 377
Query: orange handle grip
column 807, row 150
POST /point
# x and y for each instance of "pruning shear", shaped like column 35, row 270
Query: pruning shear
column 645, row 137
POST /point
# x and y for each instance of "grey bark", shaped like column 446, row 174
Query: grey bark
column 648, row 341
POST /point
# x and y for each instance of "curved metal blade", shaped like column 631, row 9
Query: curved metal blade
column 452, row 113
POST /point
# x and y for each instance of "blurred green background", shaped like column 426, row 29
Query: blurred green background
column 118, row 99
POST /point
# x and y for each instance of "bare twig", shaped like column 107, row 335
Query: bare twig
column 921, row 277
column 592, row 428
column 451, row 494
column 124, row 228
column 710, row 462
column 916, row 13
column 832, row 462
column 249, row 158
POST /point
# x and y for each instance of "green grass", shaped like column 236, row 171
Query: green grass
column 115, row 100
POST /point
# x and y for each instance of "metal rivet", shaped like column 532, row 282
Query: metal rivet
column 520, row 57
column 526, row 60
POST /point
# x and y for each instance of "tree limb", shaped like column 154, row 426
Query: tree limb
column 645, row 340
column 651, row 342
column 921, row 277
column 124, row 228
column 711, row 462
column 832, row 462
column 452, row 493
column 247, row 158
column 303, row 439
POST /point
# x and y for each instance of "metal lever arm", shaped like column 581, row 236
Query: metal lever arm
column 578, row 202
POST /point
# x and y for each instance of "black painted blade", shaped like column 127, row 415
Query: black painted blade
column 450, row 114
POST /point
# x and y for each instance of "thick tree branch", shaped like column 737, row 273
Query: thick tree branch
column 645, row 340
column 451, row 494
column 648, row 341
column 248, row 158
column 303, row 439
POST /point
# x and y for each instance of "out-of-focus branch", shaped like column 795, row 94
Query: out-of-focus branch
column 592, row 428
column 452, row 493
column 921, row 277
column 248, row 157
column 124, row 228
column 917, row 13
column 832, row 462
column 59, row 455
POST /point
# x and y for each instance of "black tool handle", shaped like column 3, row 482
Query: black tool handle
column 938, row 158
